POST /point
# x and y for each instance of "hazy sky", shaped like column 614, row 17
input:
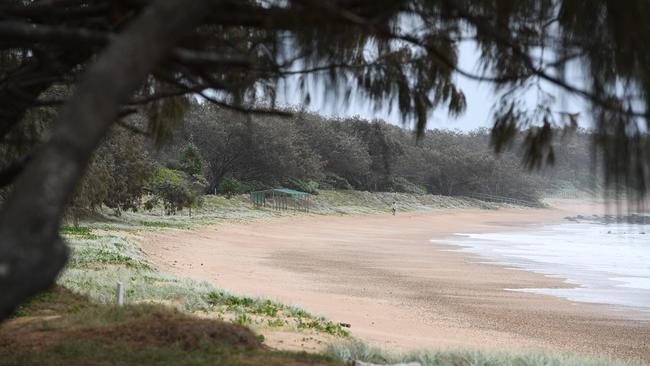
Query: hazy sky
column 480, row 99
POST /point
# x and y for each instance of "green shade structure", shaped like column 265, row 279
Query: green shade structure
column 281, row 199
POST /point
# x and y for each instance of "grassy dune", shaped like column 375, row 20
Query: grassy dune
column 218, row 209
column 100, row 260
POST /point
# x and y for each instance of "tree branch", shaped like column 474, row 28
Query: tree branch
column 19, row 31
column 482, row 25
column 192, row 57
column 49, row 11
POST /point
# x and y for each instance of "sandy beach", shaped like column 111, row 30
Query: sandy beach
column 397, row 288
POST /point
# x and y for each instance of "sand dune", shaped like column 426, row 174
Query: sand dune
column 383, row 275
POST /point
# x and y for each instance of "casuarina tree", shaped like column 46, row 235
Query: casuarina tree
column 111, row 58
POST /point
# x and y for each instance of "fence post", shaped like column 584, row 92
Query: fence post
column 120, row 294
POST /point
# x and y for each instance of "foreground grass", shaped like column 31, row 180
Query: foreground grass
column 63, row 328
column 355, row 350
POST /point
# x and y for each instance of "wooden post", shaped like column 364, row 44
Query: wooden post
column 120, row 294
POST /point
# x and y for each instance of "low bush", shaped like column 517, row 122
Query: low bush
column 229, row 187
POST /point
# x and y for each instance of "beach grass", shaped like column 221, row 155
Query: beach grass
column 101, row 259
column 357, row 350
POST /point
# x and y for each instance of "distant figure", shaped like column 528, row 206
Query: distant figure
column 394, row 207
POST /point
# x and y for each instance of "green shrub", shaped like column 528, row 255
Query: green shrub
column 168, row 187
column 229, row 187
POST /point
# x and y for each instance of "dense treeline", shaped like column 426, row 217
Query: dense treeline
column 217, row 150
column 308, row 152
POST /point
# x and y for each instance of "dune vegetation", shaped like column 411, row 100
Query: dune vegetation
column 62, row 327
column 101, row 258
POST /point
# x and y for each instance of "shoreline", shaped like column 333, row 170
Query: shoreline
column 595, row 281
column 397, row 288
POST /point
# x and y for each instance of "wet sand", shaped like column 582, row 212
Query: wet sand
column 397, row 288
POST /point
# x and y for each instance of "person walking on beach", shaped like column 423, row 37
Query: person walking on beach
column 394, row 207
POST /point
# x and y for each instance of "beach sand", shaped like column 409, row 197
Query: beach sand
column 397, row 288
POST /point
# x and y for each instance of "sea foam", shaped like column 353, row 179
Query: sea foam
column 607, row 263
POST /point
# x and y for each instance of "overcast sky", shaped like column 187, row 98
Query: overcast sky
column 480, row 99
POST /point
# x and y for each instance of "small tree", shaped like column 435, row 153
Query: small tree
column 116, row 175
column 190, row 160
column 167, row 186
column 197, row 185
column 92, row 191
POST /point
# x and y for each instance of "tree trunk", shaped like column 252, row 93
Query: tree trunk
column 31, row 250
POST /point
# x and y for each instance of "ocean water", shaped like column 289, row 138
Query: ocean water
column 609, row 264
